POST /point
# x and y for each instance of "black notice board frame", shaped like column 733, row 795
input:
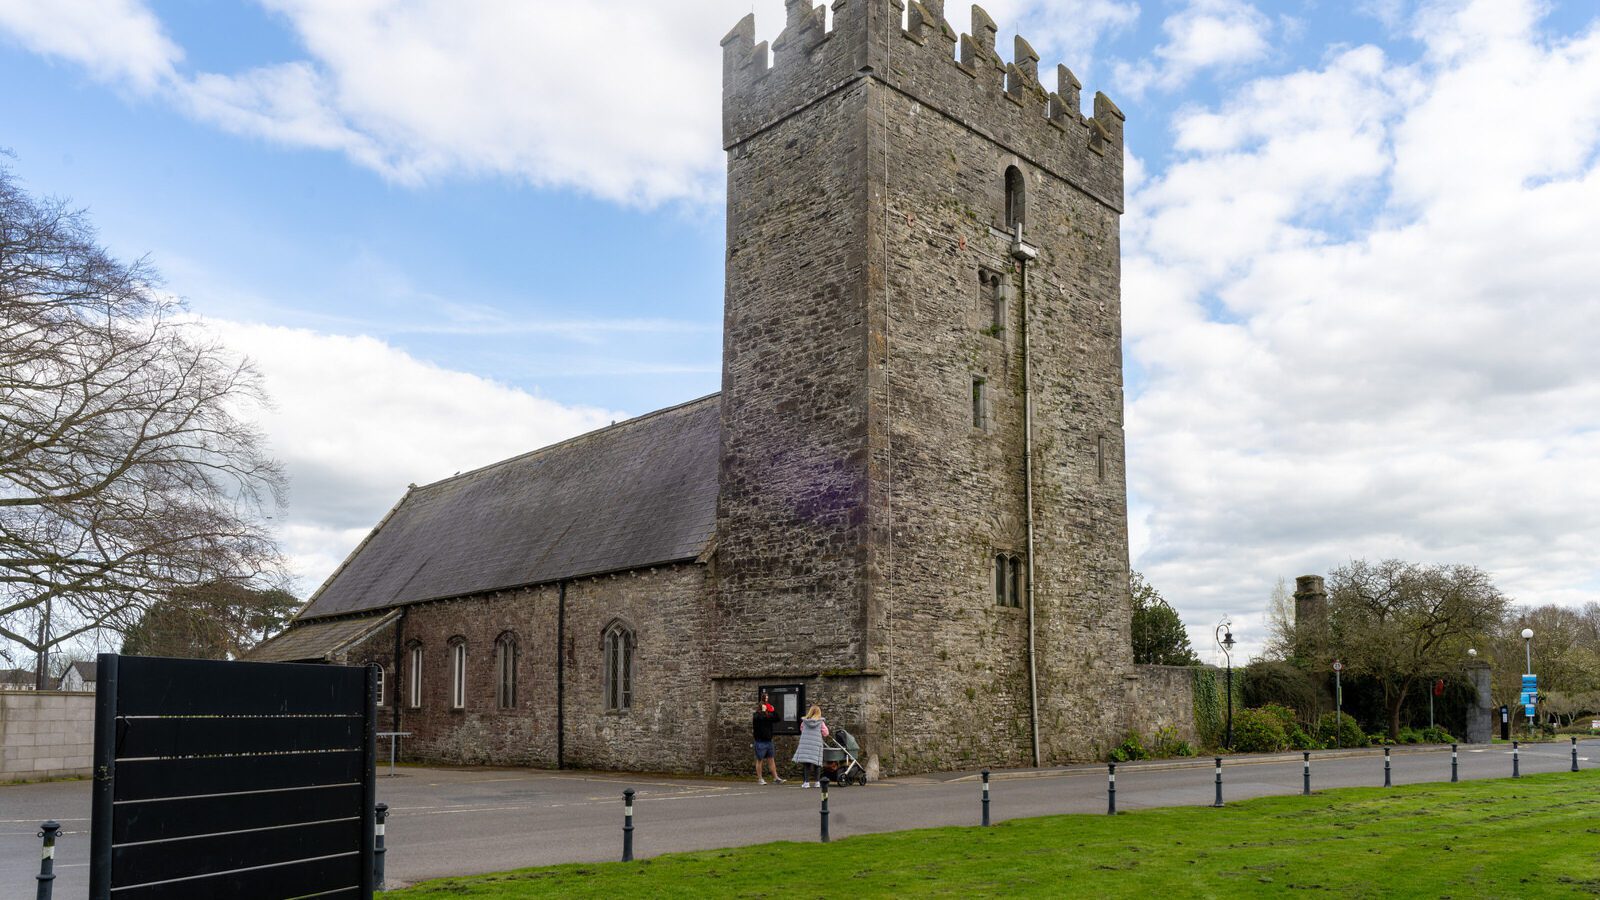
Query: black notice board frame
column 191, row 753
column 778, row 695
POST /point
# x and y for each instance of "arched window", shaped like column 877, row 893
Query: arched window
column 619, row 667
column 505, row 666
column 1008, row 580
column 414, row 676
column 1016, row 198
column 458, row 673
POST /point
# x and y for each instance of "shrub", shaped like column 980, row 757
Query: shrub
column 1258, row 731
column 1437, row 736
column 1167, row 744
column 1207, row 706
column 1283, row 714
column 1300, row 740
column 1131, row 748
column 1272, row 682
column 1340, row 731
column 1409, row 736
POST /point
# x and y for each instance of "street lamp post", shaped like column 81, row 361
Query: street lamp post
column 1226, row 642
column 1529, row 680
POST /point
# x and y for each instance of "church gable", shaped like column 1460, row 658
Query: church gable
column 639, row 493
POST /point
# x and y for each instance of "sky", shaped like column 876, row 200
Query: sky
column 1361, row 255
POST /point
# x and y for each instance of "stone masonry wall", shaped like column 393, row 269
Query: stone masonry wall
column 790, row 523
column 1161, row 697
column 45, row 734
column 664, row 730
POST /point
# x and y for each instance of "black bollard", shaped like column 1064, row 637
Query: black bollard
column 1516, row 761
column 1574, row 754
column 1386, row 781
column 824, row 809
column 1219, row 782
column 1455, row 763
column 380, row 815
column 986, row 798
column 627, row 825
column 47, row 859
column 1111, row 790
column 1306, row 787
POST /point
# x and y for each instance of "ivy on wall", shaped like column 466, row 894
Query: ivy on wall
column 1207, row 706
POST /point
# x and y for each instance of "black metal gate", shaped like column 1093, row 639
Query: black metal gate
column 232, row 779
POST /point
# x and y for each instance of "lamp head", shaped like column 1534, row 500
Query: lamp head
column 1527, row 634
column 1227, row 639
column 1472, row 653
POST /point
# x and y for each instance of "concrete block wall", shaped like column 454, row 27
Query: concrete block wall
column 45, row 735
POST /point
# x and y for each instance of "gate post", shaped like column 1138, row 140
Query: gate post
column 105, row 764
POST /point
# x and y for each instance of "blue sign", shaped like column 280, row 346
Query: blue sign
column 1530, row 694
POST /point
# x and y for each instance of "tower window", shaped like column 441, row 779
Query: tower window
column 1016, row 198
column 980, row 403
column 378, row 679
column 992, row 302
column 1100, row 458
column 1008, row 580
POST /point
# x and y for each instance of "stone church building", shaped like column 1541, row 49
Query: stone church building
column 907, row 500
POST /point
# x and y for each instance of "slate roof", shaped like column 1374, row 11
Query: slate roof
column 86, row 670
column 639, row 493
column 317, row 641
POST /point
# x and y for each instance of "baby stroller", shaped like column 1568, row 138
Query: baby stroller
column 840, row 764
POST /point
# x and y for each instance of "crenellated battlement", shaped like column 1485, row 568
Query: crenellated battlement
column 912, row 48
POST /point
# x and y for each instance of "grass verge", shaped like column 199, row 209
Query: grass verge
column 1537, row 836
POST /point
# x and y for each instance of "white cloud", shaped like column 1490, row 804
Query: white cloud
column 1205, row 34
column 355, row 420
column 116, row 40
column 1365, row 317
column 612, row 98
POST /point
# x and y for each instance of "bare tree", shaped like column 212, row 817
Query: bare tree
column 128, row 467
column 1402, row 624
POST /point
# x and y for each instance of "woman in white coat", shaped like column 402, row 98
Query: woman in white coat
column 809, row 751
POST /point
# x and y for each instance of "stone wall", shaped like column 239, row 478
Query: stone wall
column 1161, row 697
column 663, row 730
column 45, row 734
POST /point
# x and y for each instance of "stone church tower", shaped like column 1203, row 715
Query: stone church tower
column 922, row 511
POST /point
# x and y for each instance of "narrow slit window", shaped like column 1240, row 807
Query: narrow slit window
column 1016, row 198
column 458, row 675
column 991, row 303
column 1100, row 458
column 415, row 677
column 379, row 684
column 980, row 403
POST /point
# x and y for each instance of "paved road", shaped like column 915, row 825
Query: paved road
column 465, row 821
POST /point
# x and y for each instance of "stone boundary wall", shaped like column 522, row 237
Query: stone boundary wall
column 1161, row 697
column 45, row 734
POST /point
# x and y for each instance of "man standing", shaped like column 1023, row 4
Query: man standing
column 761, row 730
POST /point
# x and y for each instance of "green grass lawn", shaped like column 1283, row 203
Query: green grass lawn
column 1537, row 836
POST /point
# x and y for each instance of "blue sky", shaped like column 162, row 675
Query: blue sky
column 450, row 232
